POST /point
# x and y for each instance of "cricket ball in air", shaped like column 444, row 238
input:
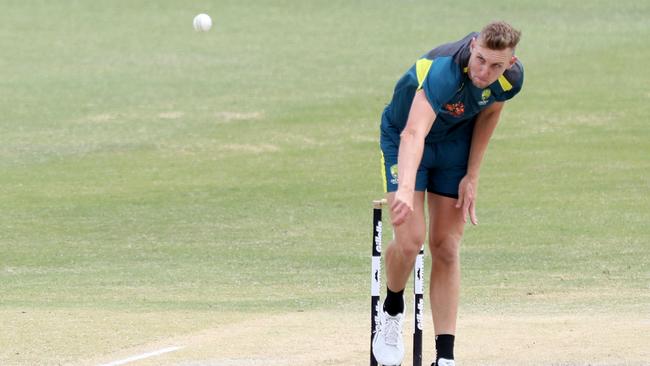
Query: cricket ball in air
column 202, row 23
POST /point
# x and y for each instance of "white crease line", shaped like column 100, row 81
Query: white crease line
column 142, row 356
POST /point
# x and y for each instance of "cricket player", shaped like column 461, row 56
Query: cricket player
column 434, row 134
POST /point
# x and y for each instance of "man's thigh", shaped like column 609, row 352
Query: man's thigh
column 413, row 229
column 445, row 220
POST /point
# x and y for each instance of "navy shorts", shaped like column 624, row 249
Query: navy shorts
column 443, row 165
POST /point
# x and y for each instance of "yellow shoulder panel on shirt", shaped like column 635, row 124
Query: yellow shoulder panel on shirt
column 505, row 84
column 422, row 67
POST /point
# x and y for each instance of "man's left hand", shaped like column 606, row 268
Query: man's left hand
column 467, row 197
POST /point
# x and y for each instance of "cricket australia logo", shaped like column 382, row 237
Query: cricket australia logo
column 393, row 174
column 485, row 97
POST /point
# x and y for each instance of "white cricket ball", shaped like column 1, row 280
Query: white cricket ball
column 202, row 23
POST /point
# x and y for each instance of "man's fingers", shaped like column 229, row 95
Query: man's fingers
column 397, row 207
column 400, row 213
column 466, row 205
column 398, row 220
column 393, row 206
column 460, row 201
column 472, row 213
column 399, row 217
column 465, row 202
column 395, row 212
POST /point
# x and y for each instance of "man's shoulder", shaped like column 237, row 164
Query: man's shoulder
column 441, row 81
column 510, row 83
column 445, row 74
column 457, row 50
column 515, row 74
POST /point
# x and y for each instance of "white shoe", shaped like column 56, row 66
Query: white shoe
column 388, row 343
column 444, row 362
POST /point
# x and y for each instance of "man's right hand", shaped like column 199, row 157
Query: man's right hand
column 401, row 207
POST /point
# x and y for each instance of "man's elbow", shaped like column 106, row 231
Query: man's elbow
column 409, row 134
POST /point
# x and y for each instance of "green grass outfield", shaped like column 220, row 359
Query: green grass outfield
column 145, row 167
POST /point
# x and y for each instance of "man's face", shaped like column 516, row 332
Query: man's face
column 486, row 65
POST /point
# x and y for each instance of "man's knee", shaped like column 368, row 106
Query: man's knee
column 445, row 249
column 409, row 245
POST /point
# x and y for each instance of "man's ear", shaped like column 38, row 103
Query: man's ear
column 512, row 61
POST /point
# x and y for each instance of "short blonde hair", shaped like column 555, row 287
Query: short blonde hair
column 499, row 36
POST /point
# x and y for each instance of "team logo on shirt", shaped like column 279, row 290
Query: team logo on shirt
column 393, row 174
column 456, row 109
column 485, row 96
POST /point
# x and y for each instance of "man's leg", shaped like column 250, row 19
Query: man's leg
column 409, row 237
column 445, row 233
column 388, row 344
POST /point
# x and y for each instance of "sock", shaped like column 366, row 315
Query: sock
column 394, row 303
column 445, row 346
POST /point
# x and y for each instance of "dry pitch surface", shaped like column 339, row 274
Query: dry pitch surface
column 320, row 338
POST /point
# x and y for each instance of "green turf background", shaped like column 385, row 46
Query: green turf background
column 146, row 167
